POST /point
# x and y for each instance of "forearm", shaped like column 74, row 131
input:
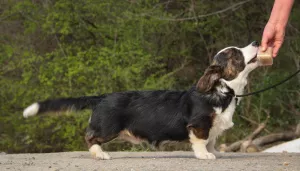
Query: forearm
column 281, row 12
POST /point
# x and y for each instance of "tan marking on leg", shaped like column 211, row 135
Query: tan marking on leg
column 128, row 136
column 199, row 132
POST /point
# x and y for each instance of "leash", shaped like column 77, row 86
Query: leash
column 270, row 87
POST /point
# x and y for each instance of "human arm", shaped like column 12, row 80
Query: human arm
column 274, row 31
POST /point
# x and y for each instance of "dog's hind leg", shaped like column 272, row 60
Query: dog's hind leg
column 94, row 145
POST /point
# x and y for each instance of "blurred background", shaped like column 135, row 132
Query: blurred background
column 62, row 48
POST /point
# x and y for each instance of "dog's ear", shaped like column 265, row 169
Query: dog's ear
column 210, row 77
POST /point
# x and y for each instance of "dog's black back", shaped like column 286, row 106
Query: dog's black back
column 155, row 116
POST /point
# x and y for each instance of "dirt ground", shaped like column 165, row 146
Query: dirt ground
column 144, row 161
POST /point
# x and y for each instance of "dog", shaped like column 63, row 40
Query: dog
column 198, row 115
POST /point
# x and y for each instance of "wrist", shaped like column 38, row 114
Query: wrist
column 276, row 25
column 281, row 12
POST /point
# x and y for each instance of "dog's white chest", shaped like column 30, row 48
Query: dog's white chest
column 223, row 120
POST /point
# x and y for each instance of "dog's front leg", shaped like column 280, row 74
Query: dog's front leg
column 199, row 145
column 211, row 147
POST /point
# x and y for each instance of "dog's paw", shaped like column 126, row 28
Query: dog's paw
column 102, row 156
column 97, row 152
column 205, row 156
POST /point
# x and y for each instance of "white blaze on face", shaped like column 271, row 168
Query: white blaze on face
column 249, row 52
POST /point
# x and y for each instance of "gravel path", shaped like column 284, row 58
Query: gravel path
column 144, row 161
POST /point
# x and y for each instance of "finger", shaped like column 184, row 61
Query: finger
column 276, row 48
column 268, row 36
column 267, row 41
column 264, row 43
column 279, row 38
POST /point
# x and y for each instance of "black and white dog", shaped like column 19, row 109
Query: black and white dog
column 199, row 114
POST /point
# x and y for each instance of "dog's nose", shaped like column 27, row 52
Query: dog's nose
column 255, row 43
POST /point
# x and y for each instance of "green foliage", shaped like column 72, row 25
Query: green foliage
column 65, row 48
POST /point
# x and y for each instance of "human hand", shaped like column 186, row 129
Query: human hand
column 273, row 36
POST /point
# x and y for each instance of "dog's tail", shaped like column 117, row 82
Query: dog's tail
column 62, row 104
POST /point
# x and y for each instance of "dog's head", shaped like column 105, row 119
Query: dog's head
column 229, row 64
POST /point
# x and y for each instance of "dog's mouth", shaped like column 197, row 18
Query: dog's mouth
column 254, row 59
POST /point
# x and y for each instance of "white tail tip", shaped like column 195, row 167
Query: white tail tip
column 31, row 110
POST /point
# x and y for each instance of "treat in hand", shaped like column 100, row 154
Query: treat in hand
column 265, row 58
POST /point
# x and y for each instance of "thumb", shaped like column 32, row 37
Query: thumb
column 264, row 43
column 267, row 37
